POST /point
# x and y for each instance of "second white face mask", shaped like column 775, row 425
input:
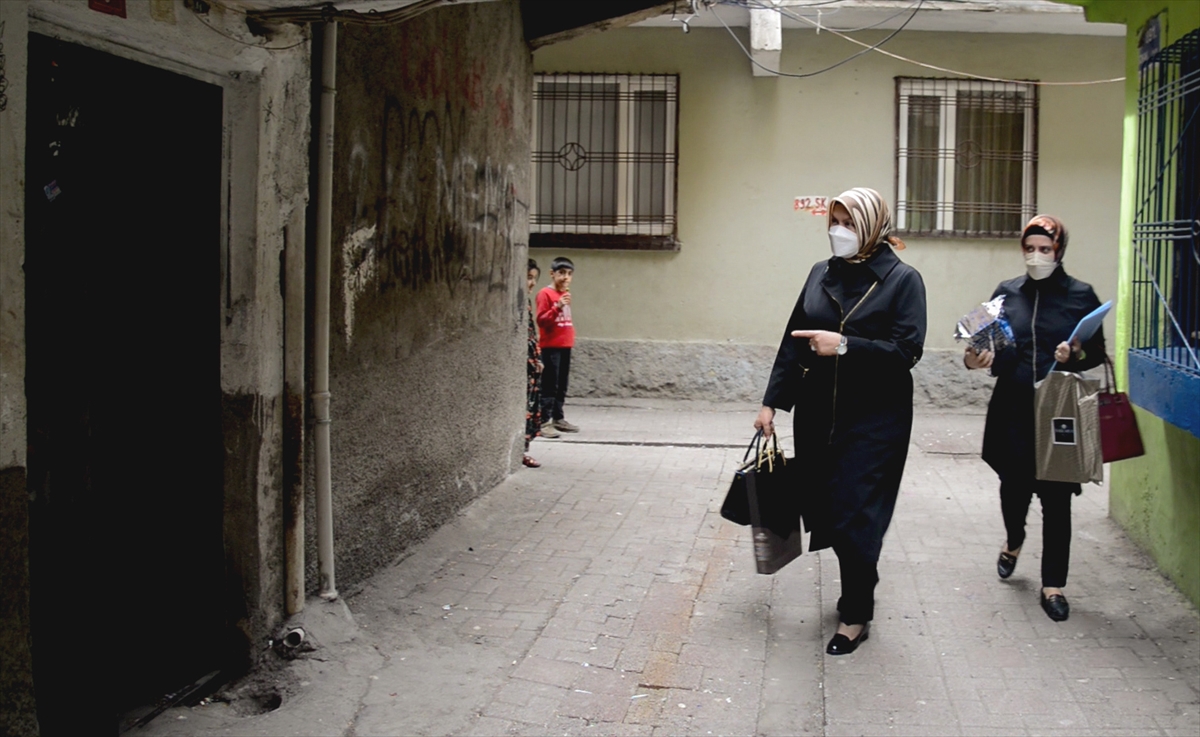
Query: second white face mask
column 843, row 241
column 1039, row 265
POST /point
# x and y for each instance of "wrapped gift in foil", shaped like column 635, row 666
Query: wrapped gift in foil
column 985, row 327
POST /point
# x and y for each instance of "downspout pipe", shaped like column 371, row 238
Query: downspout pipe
column 320, row 395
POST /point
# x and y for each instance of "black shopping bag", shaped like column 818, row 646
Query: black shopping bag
column 772, row 504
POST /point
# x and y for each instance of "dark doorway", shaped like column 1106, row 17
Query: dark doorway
column 123, row 339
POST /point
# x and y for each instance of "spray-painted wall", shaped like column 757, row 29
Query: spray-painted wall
column 430, row 232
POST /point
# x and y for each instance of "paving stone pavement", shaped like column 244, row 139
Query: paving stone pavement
column 603, row 594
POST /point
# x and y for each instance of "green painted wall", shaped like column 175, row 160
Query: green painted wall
column 1156, row 498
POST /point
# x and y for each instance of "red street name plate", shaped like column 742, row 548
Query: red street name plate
column 110, row 7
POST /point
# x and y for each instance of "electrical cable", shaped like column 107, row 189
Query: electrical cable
column 907, row 60
column 749, row 4
column 328, row 12
column 831, row 67
column 218, row 31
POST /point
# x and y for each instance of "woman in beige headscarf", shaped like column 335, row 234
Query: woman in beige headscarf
column 844, row 364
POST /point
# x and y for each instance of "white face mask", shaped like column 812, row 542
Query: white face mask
column 1039, row 265
column 843, row 241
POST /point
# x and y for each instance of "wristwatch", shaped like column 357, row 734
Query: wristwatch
column 841, row 349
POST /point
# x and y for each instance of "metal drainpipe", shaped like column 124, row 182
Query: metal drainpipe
column 320, row 395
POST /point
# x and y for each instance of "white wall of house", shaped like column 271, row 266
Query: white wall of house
column 748, row 145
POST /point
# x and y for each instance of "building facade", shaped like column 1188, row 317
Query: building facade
column 755, row 154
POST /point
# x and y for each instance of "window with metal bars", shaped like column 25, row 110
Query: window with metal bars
column 604, row 161
column 1165, row 314
column 966, row 157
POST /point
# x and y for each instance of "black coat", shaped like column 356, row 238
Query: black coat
column 1061, row 302
column 853, row 413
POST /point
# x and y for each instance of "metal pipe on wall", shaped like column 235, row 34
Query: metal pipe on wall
column 293, row 395
column 320, row 395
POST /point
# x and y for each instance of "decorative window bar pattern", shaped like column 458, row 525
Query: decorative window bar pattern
column 1166, row 226
column 966, row 157
column 604, row 156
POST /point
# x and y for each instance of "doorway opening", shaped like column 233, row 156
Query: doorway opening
column 123, row 210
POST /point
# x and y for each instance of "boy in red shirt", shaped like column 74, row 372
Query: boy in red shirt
column 557, row 339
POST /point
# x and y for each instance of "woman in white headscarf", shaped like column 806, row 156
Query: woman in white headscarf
column 844, row 365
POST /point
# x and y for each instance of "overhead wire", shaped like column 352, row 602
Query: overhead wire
column 875, row 47
column 831, row 67
column 821, row 14
column 323, row 13
column 231, row 37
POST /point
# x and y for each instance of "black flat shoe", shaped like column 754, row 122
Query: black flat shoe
column 842, row 645
column 1006, row 564
column 1056, row 607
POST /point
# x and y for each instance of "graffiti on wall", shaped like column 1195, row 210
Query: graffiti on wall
column 440, row 215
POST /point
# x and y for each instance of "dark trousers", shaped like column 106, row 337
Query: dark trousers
column 859, row 576
column 1015, row 496
column 557, row 362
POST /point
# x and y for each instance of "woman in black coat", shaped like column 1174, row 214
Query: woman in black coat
column 844, row 364
column 1043, row 307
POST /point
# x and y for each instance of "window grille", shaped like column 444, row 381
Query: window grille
column 1166, row 225
column 966, row 157
column 604, row 160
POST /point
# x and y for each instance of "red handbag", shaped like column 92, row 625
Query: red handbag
column 1119, row 436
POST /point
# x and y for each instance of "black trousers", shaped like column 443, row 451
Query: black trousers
column 557, row 362
column 859, row 576
column 1015, row 497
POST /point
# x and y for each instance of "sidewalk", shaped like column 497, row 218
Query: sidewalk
column 603, row 594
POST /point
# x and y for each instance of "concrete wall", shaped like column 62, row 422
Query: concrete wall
column 749, row 145
column 18, row 715
column 1156, row 497
column 266, row 116
column 430, row 235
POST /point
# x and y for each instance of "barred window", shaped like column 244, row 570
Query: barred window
column 966, row 157
column 604, row 161
column 1164, row 353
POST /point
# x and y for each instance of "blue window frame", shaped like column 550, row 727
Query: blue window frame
column 1164, row 370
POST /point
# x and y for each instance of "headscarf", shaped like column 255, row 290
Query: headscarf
column 1052, row 228
column 872, row 221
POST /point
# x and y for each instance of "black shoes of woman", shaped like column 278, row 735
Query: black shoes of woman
column 1006, row 564
column 1056, row 607
column 842, row 645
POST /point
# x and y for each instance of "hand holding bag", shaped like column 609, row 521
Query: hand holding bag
column 1119, row 435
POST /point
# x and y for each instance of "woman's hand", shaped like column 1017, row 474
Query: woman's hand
column 981, row 360
column 1064, row 350
column 822, row 342
column 765, row 421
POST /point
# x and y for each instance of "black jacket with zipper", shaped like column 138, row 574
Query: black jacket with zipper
column 1059, row 302
column 852, row 413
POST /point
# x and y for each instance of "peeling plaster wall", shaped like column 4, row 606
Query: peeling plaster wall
column 430, row 232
